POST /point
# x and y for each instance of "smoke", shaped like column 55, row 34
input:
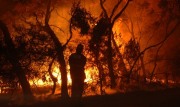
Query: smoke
column 61, row 15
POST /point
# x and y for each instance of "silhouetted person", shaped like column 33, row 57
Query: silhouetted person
column 77, row 62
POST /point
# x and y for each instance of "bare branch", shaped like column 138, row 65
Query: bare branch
column 48, row 13
column 58, row 28
column 102, row 7
column 152, row 46
column 157, row 52
column 120, row 13
column 70, row 31
column 61, row 16
column 156, row 28
column 115, row 8
column 37, row 20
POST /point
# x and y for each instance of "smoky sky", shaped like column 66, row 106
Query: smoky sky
column 64, row 6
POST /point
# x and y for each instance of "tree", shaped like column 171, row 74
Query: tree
column 170, row 12
column 167, row 24
column 40, row 21
column 35, row 48
column 110, row 21
column 134, row 27
column 101, row 36
column 12, row 56
column 60, row 49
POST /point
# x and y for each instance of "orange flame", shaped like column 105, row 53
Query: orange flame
column 91, row 76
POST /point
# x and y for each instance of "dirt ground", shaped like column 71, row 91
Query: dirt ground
column 161, row 98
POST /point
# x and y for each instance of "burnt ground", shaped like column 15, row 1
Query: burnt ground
column 160, row 98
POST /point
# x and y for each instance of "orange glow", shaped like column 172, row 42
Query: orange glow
column 91, row 76
column 91, row 72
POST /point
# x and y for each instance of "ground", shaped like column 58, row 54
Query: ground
column 160, row 98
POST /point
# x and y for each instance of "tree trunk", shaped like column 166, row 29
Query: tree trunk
column 111, row 22
column 100, row 69
column 12, row 56
column 110, row 64
column 61, row 60
column 60, row 55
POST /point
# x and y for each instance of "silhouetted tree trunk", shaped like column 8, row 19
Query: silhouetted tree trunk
column 60, row 56
column 110, row 58
column 12, row 56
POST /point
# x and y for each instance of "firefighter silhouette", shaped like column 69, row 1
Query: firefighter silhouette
column 77, row 62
